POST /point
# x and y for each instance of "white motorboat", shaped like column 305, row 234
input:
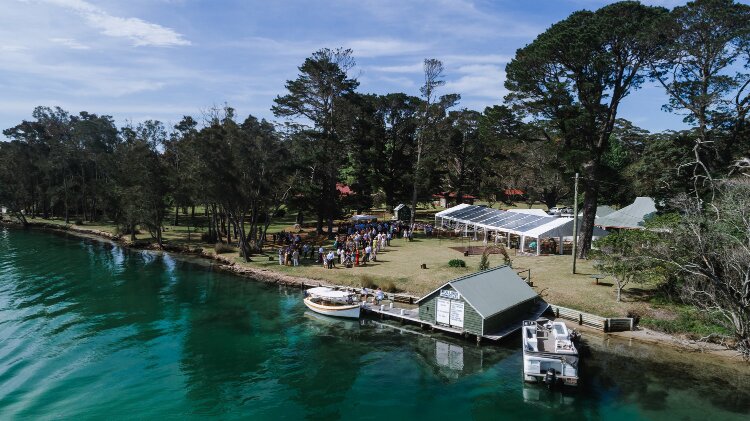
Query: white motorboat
column 549, row 353
column 331, row 302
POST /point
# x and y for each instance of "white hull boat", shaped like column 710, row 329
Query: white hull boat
column 330, row 302
column 549, row 353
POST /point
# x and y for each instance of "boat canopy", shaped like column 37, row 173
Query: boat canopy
column 325, row 292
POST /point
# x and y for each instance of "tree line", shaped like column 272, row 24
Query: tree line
column 560, row 117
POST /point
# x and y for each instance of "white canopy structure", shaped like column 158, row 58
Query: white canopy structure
column 329, row 293
column 358, row 218
column 537, row 212
column 487, row 220
column 632, row 216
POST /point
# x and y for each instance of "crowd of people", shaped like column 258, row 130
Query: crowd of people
column 356, row 244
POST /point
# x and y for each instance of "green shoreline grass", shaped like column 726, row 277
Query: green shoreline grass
column 401, row 264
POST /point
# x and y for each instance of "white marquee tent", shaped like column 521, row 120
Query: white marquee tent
column 477, row 219
column 631, row 216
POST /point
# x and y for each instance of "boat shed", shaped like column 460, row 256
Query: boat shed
column 531, row 228
column 490, row 303
column 402, row 213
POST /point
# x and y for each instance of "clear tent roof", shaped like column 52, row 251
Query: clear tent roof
column 512, row 222
column 632, row 216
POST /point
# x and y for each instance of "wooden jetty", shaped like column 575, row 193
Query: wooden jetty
column 389, row 310
column 404, row 315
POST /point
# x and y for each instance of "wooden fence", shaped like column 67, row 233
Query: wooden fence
column 590, row 320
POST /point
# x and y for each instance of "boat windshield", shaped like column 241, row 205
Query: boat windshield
column 328, row 293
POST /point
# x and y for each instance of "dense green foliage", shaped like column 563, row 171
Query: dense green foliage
column 626, row 257
column 576, row 74
column 457, row 263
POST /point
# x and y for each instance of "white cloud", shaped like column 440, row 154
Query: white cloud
column 400, row 81
column 140, row 32
column 477, row 58
column 384, row 47
column 479, row 81
column 70, row 43
column 12, row 48
column 406, row 68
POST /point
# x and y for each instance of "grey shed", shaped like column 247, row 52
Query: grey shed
column 493, row 302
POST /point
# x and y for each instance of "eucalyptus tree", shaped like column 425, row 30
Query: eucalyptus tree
column 141, row 183
column 657, row 171
column 708, row 248
column 576, row 74
column 49, row 135
column 95, row 138
column 521, row 155
column 703, row 68
column 393, row 171
column 258, row 180
column 176, row 155
column 463, row 153
column 434, row 111
column 17, row 175
column 317, row 99
column 363, row 134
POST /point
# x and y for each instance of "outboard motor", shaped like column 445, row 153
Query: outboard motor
column 550, row 378
column 575, row 336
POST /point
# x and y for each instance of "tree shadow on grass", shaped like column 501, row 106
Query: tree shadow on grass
column 639, row 294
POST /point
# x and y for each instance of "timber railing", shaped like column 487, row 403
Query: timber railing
column 591, row 320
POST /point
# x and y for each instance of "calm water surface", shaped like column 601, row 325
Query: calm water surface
column 89, row 330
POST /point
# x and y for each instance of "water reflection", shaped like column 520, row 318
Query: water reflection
column 95, row 329
column 655, row 378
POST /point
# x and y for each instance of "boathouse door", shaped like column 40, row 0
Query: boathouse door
column 443, row 311
column 450, row 309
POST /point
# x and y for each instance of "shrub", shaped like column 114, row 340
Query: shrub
column 457, row 263
column 484, row 264
column 223, row 248
column 635, row 316
column 78, row 222
column 389, row 286
column 208, row 238
column 365, row 281
column 280, row 213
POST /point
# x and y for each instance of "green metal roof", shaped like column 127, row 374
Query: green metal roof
column 491, row 291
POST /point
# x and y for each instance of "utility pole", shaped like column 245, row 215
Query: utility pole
column 575, row 223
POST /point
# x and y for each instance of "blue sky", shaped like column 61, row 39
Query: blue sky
column 161, row 59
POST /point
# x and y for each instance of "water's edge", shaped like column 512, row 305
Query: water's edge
column 93, row 329
column 669, row 344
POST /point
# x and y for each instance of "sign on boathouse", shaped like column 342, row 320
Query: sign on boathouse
column 481, row 303
column 449, row 293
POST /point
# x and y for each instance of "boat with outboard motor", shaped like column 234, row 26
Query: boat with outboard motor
column 549, row 353
column 332, row 302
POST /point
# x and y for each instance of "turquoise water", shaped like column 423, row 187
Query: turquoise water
column 90, row 330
